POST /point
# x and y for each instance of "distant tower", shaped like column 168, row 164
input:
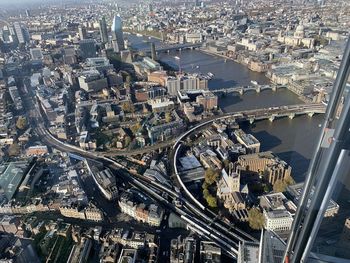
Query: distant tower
column 27, row 13
column 153, row 51
column 117, row 34
column 82, row 32
column 103, row 30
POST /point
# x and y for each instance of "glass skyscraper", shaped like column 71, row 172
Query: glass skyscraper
column 117, row 34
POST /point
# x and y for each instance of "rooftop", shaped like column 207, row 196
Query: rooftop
column 11, row 175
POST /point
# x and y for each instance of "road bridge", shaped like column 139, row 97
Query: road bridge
column 175, row 47
column 271, row 114
column 242, row 90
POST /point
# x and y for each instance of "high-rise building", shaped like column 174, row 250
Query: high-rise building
column 153, row 51
column 88, row 48
column 82, row 32
column 6, row 34
column 2, row 48
column 21, row 33
column 117, row 34
column 27, row 13
column 103, row 30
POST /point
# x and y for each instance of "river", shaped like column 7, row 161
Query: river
column 292, row 140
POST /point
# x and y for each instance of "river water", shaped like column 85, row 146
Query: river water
column 292, row 140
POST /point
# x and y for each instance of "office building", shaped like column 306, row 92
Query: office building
column 69, row 55
column 295, row 191
column 248, row 252
column 117, row 34
column 182, row 250
column 36, row 54
column 100, row 63
column 21, row 33
column 146, row 66
column 92, row 81
column 11, row 176
column 248, row 141
column 266, row 164
column 16, row 98
column 208, row 100
column 82, row 32
column 103, row 30
column 278, row 220
column 6, row 35
column 87, row 48
column 209, row 252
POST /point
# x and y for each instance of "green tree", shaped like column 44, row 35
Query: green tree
column 289, row 180
column 211, row 176
column 21, row 122
column 168, row 117
column 128, row 107
column 211, row 200
column 206, row 193
column 256, row 219
column 205, row 186
column 279, row 186
column 135, row 128
column 127, row 141
column 266, row 188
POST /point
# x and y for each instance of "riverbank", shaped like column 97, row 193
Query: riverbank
column 214, row 54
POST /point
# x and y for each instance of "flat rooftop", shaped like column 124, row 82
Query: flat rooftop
column 11, row 176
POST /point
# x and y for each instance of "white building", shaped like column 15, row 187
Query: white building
column 278, row 220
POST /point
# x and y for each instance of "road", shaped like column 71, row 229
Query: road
column 199, row 219
column 251, row 115
column 198, row 222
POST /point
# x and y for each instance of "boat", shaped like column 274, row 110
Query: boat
column 139, row 35
column 211, row 75
column 197, row 66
